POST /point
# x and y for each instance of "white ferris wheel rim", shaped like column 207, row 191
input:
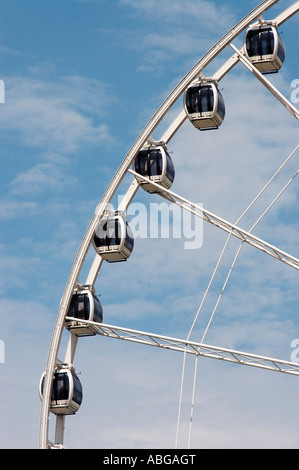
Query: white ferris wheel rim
column 117, row 179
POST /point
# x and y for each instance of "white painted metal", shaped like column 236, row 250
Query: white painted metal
column 195, row 348
column 287, row 14
column 266, row 83
column 228, row 227
column 86, row 242
column 225, row 69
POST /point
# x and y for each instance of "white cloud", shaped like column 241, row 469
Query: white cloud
column 170, row 30
column 235, row 406
column 59, row 115
column 11, row 209
column 224, row 170
column 42, row 177
column 172, row 12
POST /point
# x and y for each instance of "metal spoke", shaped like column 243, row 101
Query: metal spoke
column 194, row 348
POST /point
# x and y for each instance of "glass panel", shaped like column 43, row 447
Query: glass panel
column 149, row 163
column 108, row 233
column 61, row 386
column 79, row 307
column 78, row 393
column 267, row 42
column 170, row 171
column 71, row 311
column 141, row 163
column 82, row 310
column 192, row 100
column 206, row 100
column 260, row 42
column 98, row 310
column 113, row 233
column 155, row 162
column 129, row 241
column 252, row 43
column 221, row 106
column 100, row 235
column 200, row 99
column 281, row 52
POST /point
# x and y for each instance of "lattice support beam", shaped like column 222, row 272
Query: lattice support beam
column 223, row 224
column 194, row 348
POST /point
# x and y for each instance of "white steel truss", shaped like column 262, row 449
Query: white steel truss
column 194, row 348
column 228, row 227
column 241, row 358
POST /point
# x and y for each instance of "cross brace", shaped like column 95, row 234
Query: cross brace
column 228, row 227
column 195, row 348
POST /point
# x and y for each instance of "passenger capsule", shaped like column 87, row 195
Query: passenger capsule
column 84, row 306
column 67, row 393
column 264, row 48
column 204, row 105
column 113, row 239
column 155, row 164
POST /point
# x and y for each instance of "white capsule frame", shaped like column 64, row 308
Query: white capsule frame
column 165, row 179
column 206, row 120
column 119, row 251
column 79, row 328
column 267, row 63
column 71, row 404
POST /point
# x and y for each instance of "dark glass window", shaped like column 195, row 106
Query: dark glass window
column 108, row 233
column 61, row 386
column 141, row 163
column 200, row 99
column 149, row 162
column 155, row 162
column 221, row 106
column 129, row 240
column 260, row 42
column 267, row 40
column 98, row 310
column 192, row 100
column 78, row 392
column 114, row 232
column 206, row 99
column 281, row 52
column 170, row 171
column 79, row 307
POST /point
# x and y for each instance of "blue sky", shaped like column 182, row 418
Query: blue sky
column 82, row 78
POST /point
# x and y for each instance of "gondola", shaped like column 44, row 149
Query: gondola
column 264, row 48
column 204, row 105
column 113, row 239
column 155, row 163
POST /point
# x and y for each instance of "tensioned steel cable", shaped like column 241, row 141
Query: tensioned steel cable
column 222, row 292
column 230, row 271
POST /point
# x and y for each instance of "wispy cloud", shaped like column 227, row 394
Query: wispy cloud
column 54, row 117
column 201, row 12
column 170, row 30
column 11, row 209
column 59, row 114
column 41, row 177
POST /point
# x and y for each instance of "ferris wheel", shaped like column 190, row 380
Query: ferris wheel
column 149, row 166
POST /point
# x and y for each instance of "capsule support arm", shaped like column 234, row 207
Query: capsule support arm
column 294, row 111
